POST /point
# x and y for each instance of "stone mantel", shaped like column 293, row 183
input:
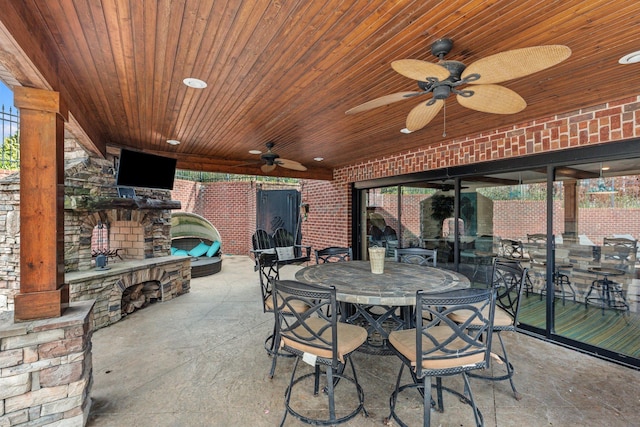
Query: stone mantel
column 91, row 204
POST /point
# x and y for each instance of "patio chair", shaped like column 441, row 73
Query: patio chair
column 333, row 254
column 417, row 256
column 617, row 258
column 318, row 340
column 261, row 242
column 561, row 283
column 440, row 347
column 508, row 280
column 269, row 271
column 481, row 256
column 289, row 252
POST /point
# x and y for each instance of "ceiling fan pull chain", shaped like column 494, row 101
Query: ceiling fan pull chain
column 444, row 118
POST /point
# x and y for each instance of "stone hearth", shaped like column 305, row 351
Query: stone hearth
column 106, row 286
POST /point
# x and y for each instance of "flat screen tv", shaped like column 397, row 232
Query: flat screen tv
column 137, row 169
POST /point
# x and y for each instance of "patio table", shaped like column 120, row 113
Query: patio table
column 380, row 302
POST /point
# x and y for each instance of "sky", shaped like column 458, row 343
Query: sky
column 6, row 100
column 6, row 97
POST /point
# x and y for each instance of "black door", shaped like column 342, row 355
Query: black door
column 279, row 208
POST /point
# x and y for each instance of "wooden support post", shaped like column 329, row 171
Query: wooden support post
column 43, row 293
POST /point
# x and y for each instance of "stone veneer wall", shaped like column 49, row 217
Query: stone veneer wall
column 93, row 179
column 106, row 286
column 46, row 369
column 85, row 178
column 9, row 240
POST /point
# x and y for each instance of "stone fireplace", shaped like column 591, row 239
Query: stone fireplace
column 133, row 233
column 137, row 228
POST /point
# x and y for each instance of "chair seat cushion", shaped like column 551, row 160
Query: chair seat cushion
column 405, row 342
column 350, row 337
column 501, row 319
column 297, row 305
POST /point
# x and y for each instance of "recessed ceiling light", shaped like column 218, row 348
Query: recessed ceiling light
column 255, row 152
column 631, row 58
column 318, row 159
column 173, row 142
column 405, row 130
column 606, row 168
column 195, row 83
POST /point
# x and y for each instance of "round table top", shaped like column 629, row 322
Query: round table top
column 397, row 286
column 606, row 271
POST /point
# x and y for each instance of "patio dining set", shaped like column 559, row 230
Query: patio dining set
column 432, row 319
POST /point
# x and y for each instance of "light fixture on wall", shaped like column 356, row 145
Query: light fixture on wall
column 602, row 187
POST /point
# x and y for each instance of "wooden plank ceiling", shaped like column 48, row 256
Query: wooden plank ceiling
column 286, row 71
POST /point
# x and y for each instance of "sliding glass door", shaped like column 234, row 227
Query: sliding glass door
column 596, row 282
column 574, row 225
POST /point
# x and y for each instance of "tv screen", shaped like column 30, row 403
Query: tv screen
column 137, row 169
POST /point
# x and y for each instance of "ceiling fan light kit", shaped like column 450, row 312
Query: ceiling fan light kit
column 271, row 160
column 483, row 94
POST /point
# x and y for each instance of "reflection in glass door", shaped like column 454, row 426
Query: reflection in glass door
column 598, row 224
column 380, row 222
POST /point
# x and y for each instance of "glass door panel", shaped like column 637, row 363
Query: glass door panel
column 598, row 226
column 381, row 220
column 428, row 219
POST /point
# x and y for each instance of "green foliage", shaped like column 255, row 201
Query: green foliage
column 10, row 152
column 441, row 207
column 229, row 177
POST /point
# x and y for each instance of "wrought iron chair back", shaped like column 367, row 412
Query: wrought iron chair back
column 508, row 280
column 284, row 242
column 333, row 254
column 302, row 328
column 512, row 249
column 261, row 240
column 432, row 345
column 417, row 256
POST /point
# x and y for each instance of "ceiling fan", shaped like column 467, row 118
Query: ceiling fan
column 484, row 95
column 271, row 160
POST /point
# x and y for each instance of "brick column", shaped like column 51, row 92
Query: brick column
column 42, row 290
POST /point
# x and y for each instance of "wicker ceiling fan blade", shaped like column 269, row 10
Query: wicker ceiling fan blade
column 493, row 99
column 516, row 63
column 422, row 114
column 267, row 168
column 420, row 70
column 383, row 100
column 290, row 164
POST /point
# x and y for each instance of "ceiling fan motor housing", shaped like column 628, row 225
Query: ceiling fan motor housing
column 441, row 47
column 269, row 157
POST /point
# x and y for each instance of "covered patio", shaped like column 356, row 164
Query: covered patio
column 261, row 88
column 208, row 368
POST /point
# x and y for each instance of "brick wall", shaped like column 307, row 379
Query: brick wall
column 613, row 121
column 229, row 206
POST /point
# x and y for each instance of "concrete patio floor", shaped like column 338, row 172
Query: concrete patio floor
column 198, row 360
